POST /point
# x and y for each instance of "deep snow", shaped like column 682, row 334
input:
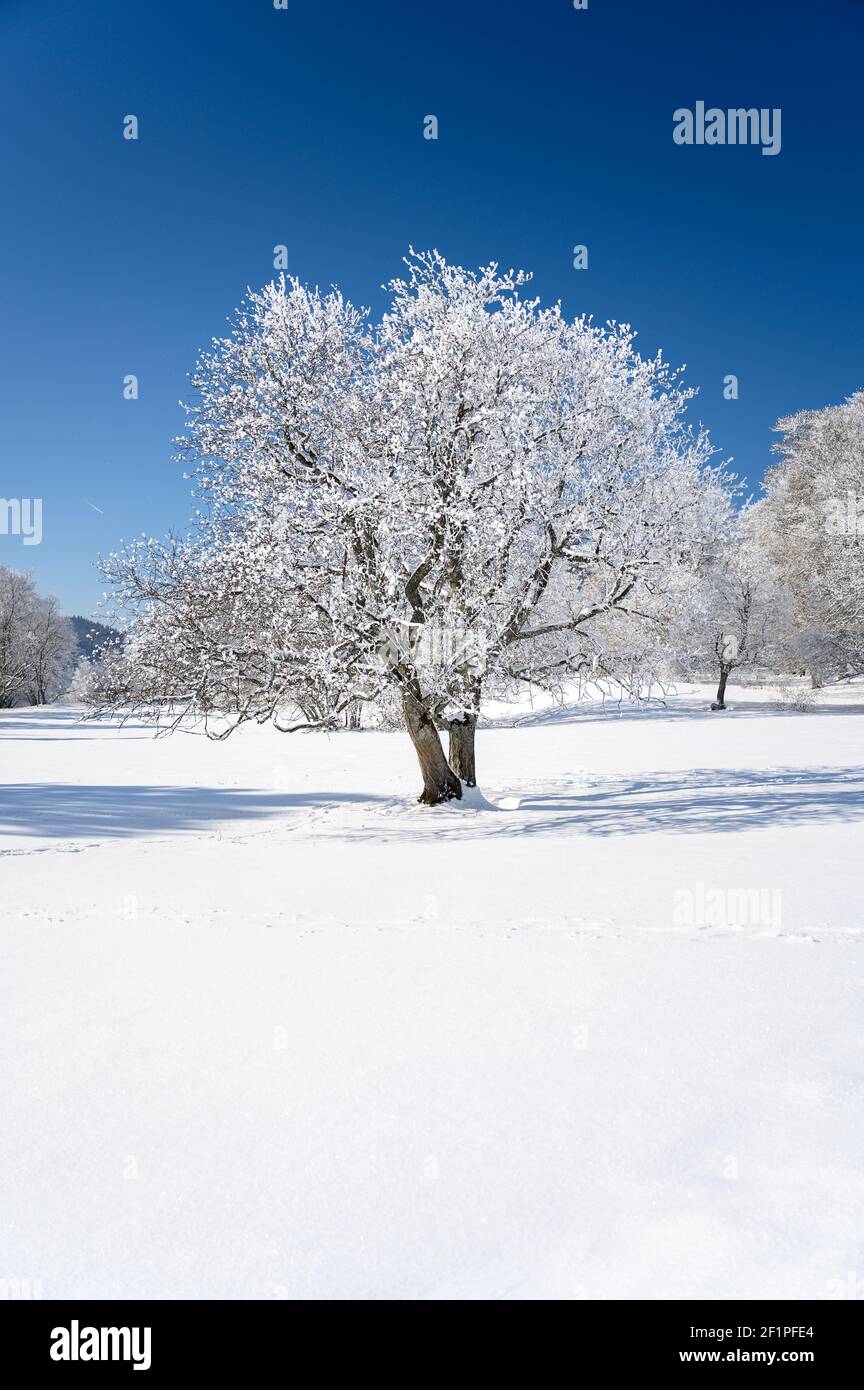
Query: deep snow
column 273, row 1030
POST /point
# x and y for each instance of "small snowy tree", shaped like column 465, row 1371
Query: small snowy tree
column 739, row 613
column 51, row 651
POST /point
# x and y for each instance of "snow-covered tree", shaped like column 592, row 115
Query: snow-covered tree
column 52, row 647
column 738, row 614
column 814, row 510
column 17, row 595
column 463, row 494
column 36, row 643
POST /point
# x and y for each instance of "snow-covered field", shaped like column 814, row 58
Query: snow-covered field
column 273, row 1030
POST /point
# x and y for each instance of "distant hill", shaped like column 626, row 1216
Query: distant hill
column 90, row 634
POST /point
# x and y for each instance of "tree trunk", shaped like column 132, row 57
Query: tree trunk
column 719, row 703
column 462, row 749
column 816, row 681
column 440, row 783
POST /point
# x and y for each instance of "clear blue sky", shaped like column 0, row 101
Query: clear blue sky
column 304, row 127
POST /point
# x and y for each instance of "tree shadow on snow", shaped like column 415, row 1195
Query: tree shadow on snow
column 705, row 800
column 69, row 811
column 701, row 801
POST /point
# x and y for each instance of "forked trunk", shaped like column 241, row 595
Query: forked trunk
column 440, row 783
column 462, row 749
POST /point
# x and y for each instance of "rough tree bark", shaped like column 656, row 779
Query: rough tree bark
column 440, row 782
column 719, row 703
column 462, row 735
column 462, row 758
